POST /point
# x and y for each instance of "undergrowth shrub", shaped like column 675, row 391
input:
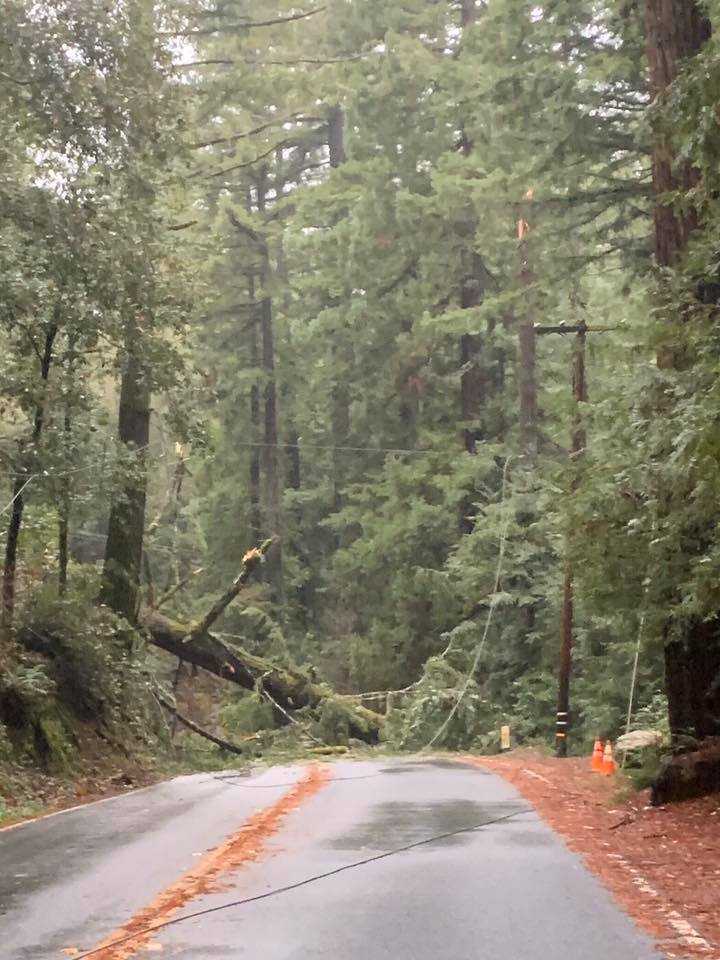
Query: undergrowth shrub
column 81, row 666
column 333, row 724
column 247, row 713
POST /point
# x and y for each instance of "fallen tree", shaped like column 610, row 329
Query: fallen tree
column 289, row 687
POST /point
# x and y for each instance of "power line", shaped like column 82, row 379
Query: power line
column 303, row 883
column 18, row 494
column 318, row 446
column 491, row 611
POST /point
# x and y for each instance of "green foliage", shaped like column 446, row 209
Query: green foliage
column 27, row 682
column 420, row 718
column 320, row 241
column 85, row 667
column 247, row 714
column 332, row 726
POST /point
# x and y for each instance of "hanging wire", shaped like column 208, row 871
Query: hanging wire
column 19, row 493
column 633, row 682
column 491, row 611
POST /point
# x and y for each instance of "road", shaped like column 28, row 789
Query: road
column 508, row 890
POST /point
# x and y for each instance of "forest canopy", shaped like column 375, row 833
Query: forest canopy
column 361, row 348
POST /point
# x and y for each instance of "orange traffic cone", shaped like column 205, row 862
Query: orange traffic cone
column 596, row 764
column 608, row 763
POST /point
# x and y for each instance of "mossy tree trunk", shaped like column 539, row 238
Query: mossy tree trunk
column 289, row 688
column 124, row 547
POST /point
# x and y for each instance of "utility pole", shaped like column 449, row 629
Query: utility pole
column 578, row 444
column 527, row 343
column 528, row 332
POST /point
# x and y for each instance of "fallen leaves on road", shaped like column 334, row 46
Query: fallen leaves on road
column 242, row 847
column 661, row 863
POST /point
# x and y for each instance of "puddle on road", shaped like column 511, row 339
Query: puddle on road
column 455, row 765
column 459, row 766
column 402, row 768
column 527, row 838
column 396, row 824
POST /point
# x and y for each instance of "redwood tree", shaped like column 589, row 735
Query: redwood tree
column 676, row 31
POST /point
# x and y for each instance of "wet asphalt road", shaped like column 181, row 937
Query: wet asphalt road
column 508, row 891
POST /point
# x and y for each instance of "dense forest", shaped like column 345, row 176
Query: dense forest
column 364, row 356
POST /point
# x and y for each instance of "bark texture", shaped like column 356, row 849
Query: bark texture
column 273, row 524
column 124, row 547
column 689, row 775
column 290, row 688
column 675, row 30
column 255, row 508
column 578, row 442
column 341, row 355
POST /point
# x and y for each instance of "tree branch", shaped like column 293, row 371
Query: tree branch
column 245, row 163
column 176, row 588
column 252, row 559
column 186, row 722
column 245, row 24
column 249, row 232
column 233, row 138
column 248, row 61
column 20, row 83
column 183, row 226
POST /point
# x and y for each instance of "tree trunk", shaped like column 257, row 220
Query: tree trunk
column 340, row 426
column 689, row 775
column 692, row 681
column 65, row 497
column 273, row 498
column 255, row 451
column 341, row 354
column 124, row 547
column 273, row 520
column 675, row 30
column 567, row 641
column 64, row 513
column 528, row 388
column 336, row 136
column 195, row 644
column 11, row 549
column 21, row 482
column 468, row 13
column 527, row 341
column 291, row 689
column 473, row 381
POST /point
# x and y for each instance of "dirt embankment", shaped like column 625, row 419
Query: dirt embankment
column 661, row 863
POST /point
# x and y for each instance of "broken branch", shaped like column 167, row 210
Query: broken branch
column 250, row 561
column 186, row 722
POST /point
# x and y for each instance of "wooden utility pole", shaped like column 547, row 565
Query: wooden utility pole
column 578, row 442
column 528, row 332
